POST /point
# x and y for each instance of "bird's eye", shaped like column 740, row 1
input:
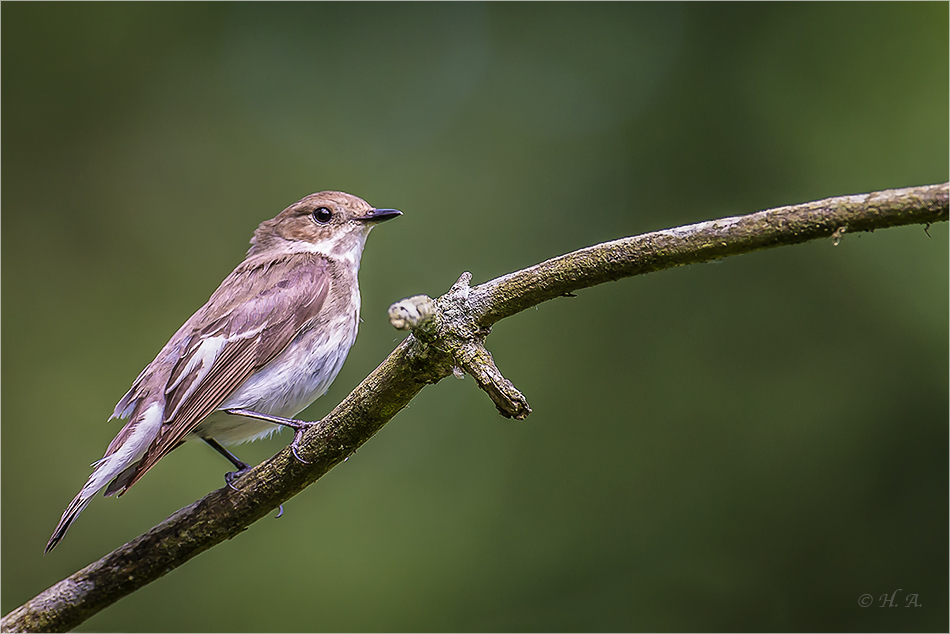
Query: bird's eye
column 322, row 215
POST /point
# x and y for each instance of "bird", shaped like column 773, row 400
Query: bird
column 269, row 341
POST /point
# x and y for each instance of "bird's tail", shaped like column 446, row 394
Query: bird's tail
column 69, row 516
column 117, row 467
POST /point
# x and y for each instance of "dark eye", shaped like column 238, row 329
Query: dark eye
column 322, row 215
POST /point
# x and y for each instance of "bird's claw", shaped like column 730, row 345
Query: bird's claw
column 299, row 426
column 298, row 434
column 231, row 476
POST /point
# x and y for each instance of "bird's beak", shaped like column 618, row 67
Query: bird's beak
column 378, row 215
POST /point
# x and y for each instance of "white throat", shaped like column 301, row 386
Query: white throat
column 344, row 247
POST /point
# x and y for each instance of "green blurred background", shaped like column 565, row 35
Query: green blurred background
column 748, row 445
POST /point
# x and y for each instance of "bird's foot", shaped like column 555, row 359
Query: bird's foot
column 299, row 426
column 231, row 476
column 241, row 466
column 298, row 435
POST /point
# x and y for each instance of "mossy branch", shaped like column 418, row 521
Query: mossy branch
column 448, row 337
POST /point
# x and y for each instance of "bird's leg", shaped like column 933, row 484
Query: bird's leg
column 239, row 464
column 299, row 426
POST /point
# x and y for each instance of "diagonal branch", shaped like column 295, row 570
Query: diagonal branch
column 705, row 241
column 448, row 336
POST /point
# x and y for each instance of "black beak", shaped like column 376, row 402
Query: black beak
column 378, row 215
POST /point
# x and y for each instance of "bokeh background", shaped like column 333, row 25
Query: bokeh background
column 746, row 445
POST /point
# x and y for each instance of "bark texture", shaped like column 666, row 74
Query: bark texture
column 448, row 336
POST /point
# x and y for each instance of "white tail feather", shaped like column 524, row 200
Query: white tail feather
column 111, row 467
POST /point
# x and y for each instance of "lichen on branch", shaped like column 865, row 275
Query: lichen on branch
column 448, row 336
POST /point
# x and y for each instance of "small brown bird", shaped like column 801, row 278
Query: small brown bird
column 267, row 343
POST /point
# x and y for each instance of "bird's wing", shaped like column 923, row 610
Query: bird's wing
column 252, row 317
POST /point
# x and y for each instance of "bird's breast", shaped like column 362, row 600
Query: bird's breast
column 287, row 385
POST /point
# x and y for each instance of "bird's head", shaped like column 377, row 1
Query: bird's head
column 332, row 223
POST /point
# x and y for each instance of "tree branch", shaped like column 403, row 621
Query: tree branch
column 448, row 337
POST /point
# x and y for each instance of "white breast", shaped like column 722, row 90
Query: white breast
column 288, row 384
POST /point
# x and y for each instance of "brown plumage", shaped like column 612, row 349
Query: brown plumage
column 270, row 340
